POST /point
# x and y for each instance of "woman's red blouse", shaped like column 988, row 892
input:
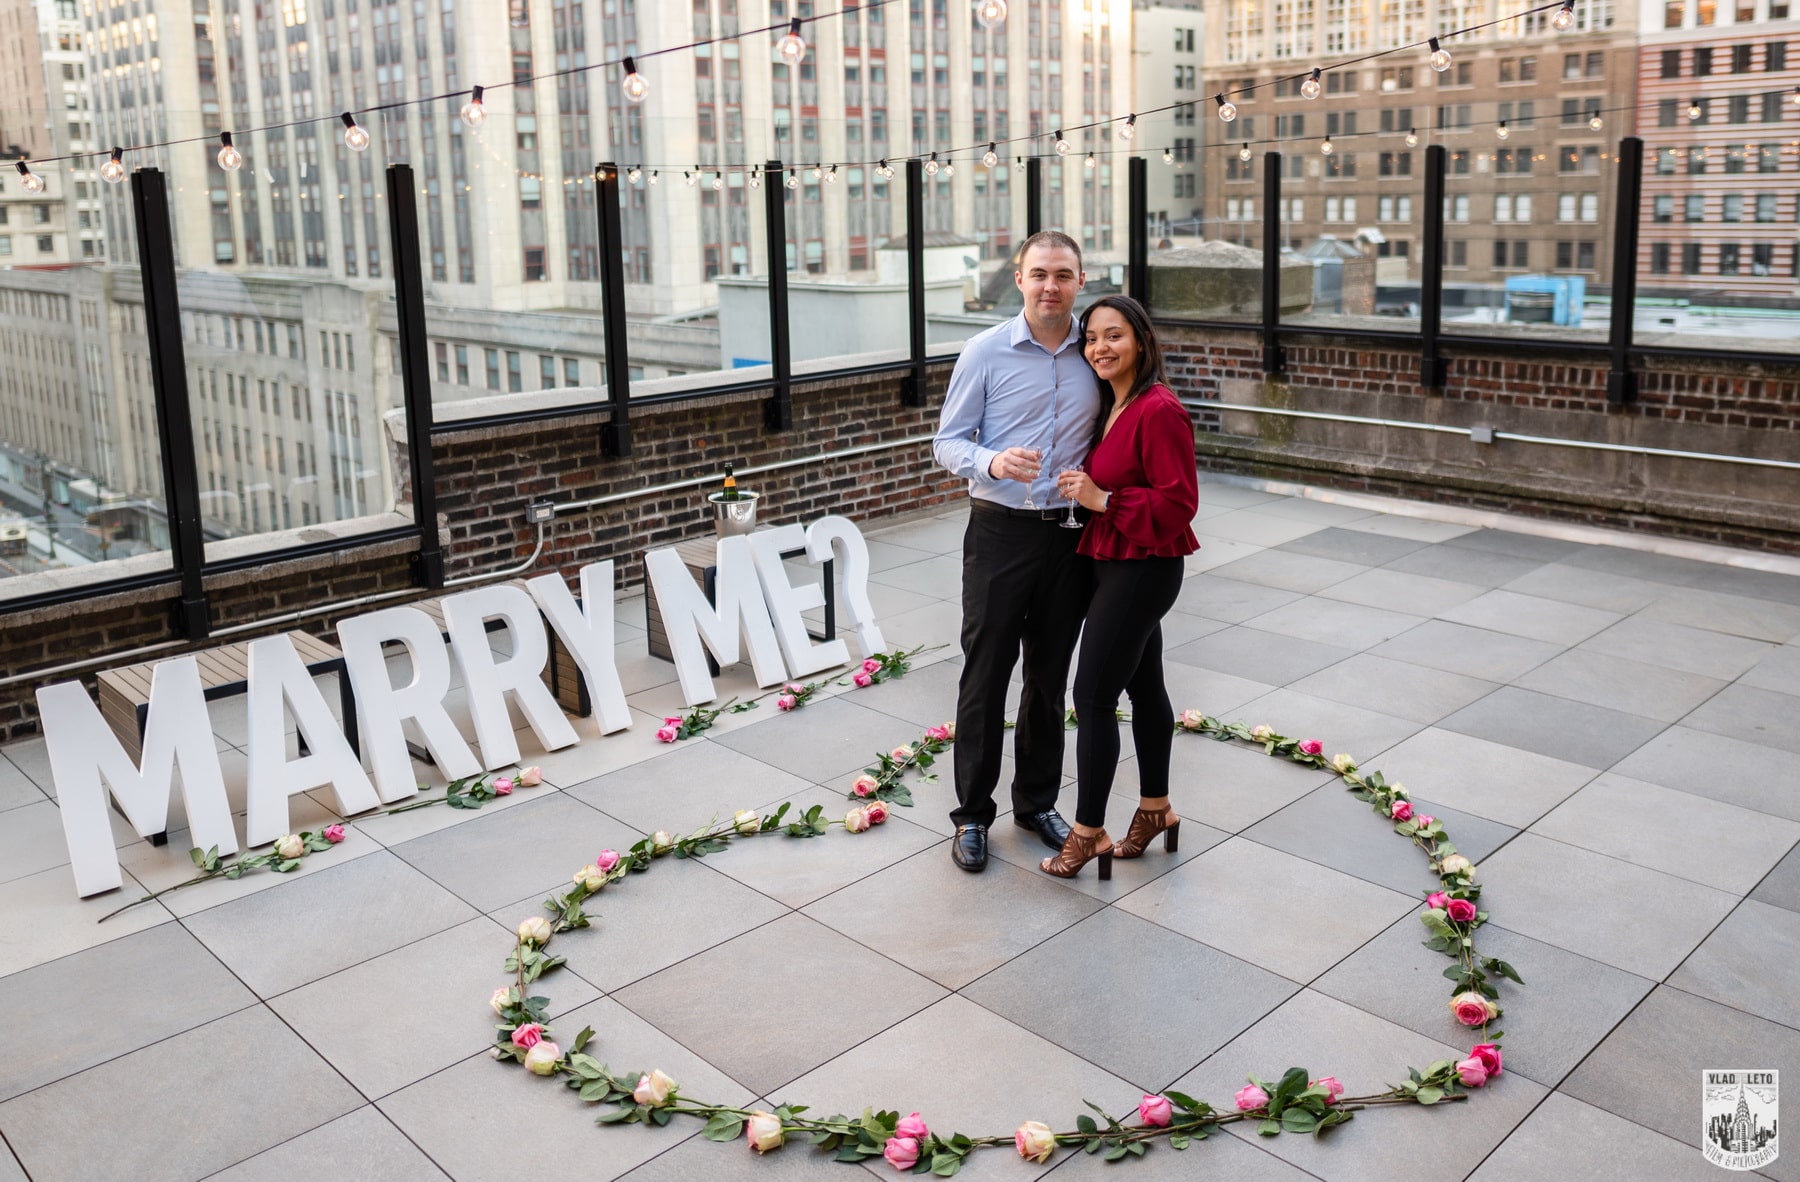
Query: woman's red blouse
column 1147, row 463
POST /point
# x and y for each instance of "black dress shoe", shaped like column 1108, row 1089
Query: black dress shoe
column 968, row 848
column 1051, row 829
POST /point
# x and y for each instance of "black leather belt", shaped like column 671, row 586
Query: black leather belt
column 1057, row 514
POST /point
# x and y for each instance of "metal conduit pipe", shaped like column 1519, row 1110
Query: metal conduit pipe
column 1548, row 441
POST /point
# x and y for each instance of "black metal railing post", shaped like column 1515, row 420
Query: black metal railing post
column 1273, row 360
column 1432, row 367
column 912, row 389
column 168, row 378
column 415, row 366
column 615, row 436
column 1034, row 195
column 1621, row 383
column 778, row 412
column 1137, row 239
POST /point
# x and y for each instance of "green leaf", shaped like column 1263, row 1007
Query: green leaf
column 1115, row 1152
column 1178, row 1140
column 1135, row 1148
column 1188, row 1103
column 614, row 1116
column 581, row 1040
column 1493, row 965
column 198, row 856
column 943, row 1165
column 1269, row 1128
column 1086, row 1124
column 1430, row 1095
column 1091, row 1147
column 1298, row 1120
column 724, row 1126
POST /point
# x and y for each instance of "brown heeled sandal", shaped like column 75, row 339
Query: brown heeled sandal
column 1078, row 851
column 1145, row 825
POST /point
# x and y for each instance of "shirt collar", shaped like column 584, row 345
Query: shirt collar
column 1021, row 332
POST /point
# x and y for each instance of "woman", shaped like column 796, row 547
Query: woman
column 1141, row 490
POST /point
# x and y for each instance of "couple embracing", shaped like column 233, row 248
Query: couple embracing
column 1054, row 420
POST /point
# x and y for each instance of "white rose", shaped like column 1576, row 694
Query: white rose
column 501, row 999
column 1457, row 864
column 763, row 1131
column 291, row 846
column 661, row 842
column 746, row 821
column 535, row 930
column 653, row 1090
column 541, row 1058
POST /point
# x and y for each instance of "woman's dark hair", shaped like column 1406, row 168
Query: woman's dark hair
column 1149, row 362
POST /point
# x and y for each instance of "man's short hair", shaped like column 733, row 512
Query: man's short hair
column 1056, row 240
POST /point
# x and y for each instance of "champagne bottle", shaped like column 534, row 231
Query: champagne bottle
column 730, row 490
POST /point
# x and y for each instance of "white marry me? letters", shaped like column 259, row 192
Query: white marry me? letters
column 757, row 607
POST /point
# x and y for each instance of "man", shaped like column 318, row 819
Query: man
column 1020, row 409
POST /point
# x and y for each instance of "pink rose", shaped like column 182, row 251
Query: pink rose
column 1489, row 1055
column 1472, row 1073
column 856, row 820
column 334, row 833
column 1250, row 1098
column 1311, row 747
column 1437, row 899
column 786, row 702
column 1401, row 811
column 1461, row 910
column 865, row 786
column 1472, row 1009
column 871, row 665
column 667, row 734
column 877, row 811
column 1333, row 1089
column 763, row 1131
column 503, row 787
column 1156, row 1110
column 794, row 687
column 901, row 754
column 527, row 1035
column 939, row 733
column 862, row 680
column 902, row 1152
column 671, row 722
column 541, row 1059
column 607, row 860
column 1425, row 820
column 531, row 777
column 1035, row 1141
column 912, row 1126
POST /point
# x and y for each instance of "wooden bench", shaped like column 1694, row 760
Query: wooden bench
column 701, row 557
column 224, row 671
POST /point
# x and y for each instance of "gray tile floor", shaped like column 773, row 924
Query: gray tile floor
column 1607, row 728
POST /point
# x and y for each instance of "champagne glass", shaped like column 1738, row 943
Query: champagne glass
column 1068, row 521
column 1041, row 453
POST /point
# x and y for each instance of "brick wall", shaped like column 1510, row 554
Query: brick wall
column 1691, row 405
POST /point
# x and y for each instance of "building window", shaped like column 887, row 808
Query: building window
column 1659, row 258
column 571, row 372
column 515, row 372
column 1690, row 258
column 1728, row 258
column 493, row 368
column 443, row 360
column 1671, row 63
column 1459, row 254
column 1732, row 209
column 546, row 372
column 1695, row 208
column 534, row 265
column 1762, row 258
column 1765, row 207
column 462, row 365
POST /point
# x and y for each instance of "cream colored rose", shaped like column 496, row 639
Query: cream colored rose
column 1343, row 763
column 661, row 842
column 1457, row 864
column 541, row 1059
column 653, row 1090
column 535, row 930
column 1035, row 1141
column 291, row 846
column 763, row 1131
column 746, row 822
column 591, row 877
column 501, row 999
column 531, row 777
column 1262, row 732
column 856, row 820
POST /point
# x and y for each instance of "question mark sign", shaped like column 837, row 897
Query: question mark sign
column 838, row 537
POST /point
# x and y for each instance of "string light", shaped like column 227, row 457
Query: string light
column 692, row 178
column 990, row 157
column 1596, row 122
column 792, row 46
column 33, row 182
column 653, row 176
column 635, row 89
column 229, row 158
column 755, row 178
column 1440, row 57
column 1018, row 164
column 1694, row 109
column 818, row 172
column 1062, row 145
column 1091, row 163
column 1565, row 16
column 718, row 181
column 885, row 171
column 1168, row 155
column 1227, row 108
column 355, row 138
column 793, row 180
column 1795, row 98
column 113, row 171
column 634, row 174
column 1412, row 137
column 1244, row 153
column 932, row 166
column 1310, row 88
column 831, row 175
column 1500, row 133
column 990, row 14
column 949, row 168
column 1127, row 129
column 1326, row 148
column 473, row 113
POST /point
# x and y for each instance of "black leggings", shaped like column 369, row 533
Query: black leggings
column 1121, row 652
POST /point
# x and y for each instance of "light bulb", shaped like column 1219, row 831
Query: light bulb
column 793, row 181
column 634, row 174
column 1018, row 164
column 818, row 173
column 473, row 113
column 635, row 89
column 1565, row 16
column 885, row 171
column 1091, row 163
column 355, row 138
column 718, row 181
column 1596, row 123
column 1227, row 108
column 831, row 175
column 1325, row 147
column 1244, row 153
column 1796, row 96
column 692, row 178
column 653, row 176
column 1500, row 132
column 990, row 14
column 932, row 166
column 949, row 168
column 113, row 171
column 990, row 157
column 1694, row 109
column 33, row 182
column 229, row 158
column 1168, row 155
column 1128, row 128
column 1440, row 57
column 755, row 178
column 1412, row 137
column 792, row 46
column 1310, row 88
column 1062, row 145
